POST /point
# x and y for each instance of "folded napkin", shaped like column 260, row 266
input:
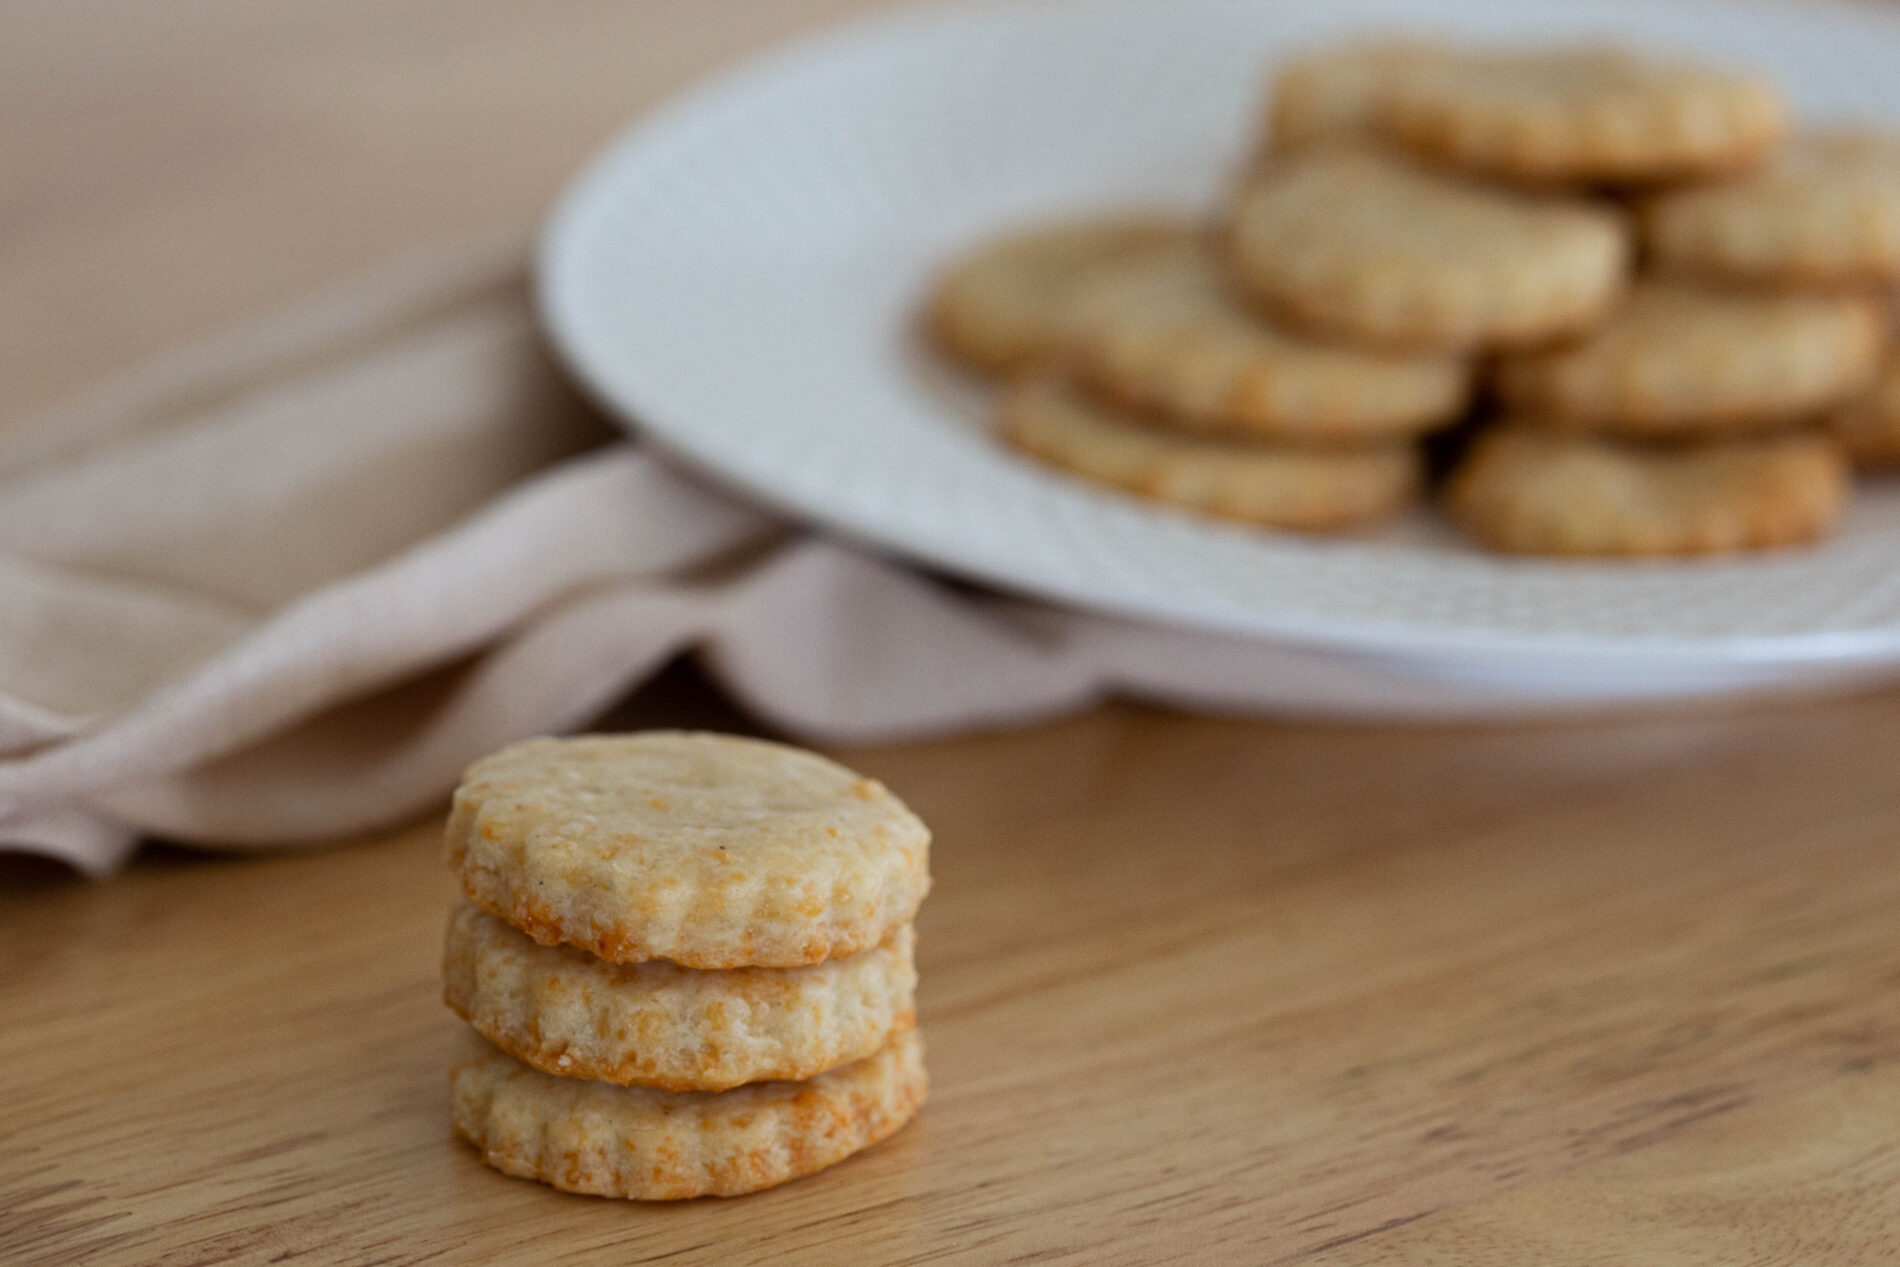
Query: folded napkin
column 282, row 587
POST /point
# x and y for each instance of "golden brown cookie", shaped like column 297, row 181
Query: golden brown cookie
column 1273, row 485
column 1869, row 426
column 1678, row 359
column 660, row 1025
column 708, row 850
column 1163, row 333
column 1824, row 212
column 1528, row 490
column 611, row 1141
column 1586, row 114
column 999, row 308
column 1340, row 93
column 1360, row 246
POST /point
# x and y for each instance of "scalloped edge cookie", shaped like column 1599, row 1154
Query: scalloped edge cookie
column 636, row 1142
column 1869, row 427
column 660, row 1025
column 1526, row 490
column 711, row 851
column 1357, row 245
column 1679, row 360
column 1823, row 212
column 1277, row 486
column 1340, row 92
column 1590, row 114
column 1163, row 333
column 1000, row 307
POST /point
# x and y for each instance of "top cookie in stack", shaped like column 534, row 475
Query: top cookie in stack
column 670, row 930
column 710, row 851
column 1664, row 296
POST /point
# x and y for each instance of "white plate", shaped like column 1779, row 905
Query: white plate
column 739, row 272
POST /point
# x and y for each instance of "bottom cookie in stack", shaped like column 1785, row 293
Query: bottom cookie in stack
column 613, row 1141
column 688, row 959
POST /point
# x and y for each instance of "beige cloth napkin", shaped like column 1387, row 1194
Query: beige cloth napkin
column 284, row 586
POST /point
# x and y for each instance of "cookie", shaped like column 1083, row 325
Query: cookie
column 1869, row 426
column 708, row 850
column 1824, row 212
column 1272, row 485
column 1588, row 115
column 1679, row 360
column 660, row 1025
column 609, row 1141
column 1356, row 245
column 1529, row 490
column 1000, row 308
column 1341, row 93
column 1163, row 333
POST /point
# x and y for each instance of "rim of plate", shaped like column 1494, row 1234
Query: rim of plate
column 564, row 291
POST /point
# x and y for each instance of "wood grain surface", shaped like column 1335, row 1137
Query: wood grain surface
column 1195, row 990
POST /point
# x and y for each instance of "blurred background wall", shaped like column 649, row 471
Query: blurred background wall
column 173, row 167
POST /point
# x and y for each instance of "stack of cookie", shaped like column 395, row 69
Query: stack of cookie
column 1137, row 365
column 688, row 959
column 1651, row 313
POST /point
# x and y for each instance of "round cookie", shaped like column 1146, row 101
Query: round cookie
column 1587, row 115
column 1527, row 490
column 1271, row 485
column 1163, row 333
column 1000, row 308
column 708, row 850
column 1869, row 427
column 1680, row 360
column 609, row 1141
column 1357, row 245
column 1340, row 93
column 660, row 1025
column 1824, row 212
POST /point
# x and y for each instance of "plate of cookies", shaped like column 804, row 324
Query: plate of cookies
column 1536, row 350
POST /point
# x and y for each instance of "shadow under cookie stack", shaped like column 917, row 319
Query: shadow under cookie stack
column 686, row 960
column 1609, row 292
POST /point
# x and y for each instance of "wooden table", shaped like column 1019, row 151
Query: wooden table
column 1195, row 990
